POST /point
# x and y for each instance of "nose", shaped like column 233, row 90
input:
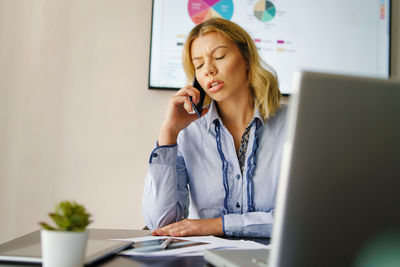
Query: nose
column 210, row 68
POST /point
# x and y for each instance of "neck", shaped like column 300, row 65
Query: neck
column 236, row 114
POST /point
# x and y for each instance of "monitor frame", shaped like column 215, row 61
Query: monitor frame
column 151, row 87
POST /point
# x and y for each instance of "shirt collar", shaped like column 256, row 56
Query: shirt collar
column 257, row 116
column 212, row 115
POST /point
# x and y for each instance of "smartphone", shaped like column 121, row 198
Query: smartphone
column 199, row 107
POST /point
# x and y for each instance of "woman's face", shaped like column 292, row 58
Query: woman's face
column 220, row 68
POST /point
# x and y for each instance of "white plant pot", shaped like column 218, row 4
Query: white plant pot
column 63, row 249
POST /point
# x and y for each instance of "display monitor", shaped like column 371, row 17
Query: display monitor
column 340, row 37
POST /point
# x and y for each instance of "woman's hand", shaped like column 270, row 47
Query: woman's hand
column 189, row 227
column 177, row 116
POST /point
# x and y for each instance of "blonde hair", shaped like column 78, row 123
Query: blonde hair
column 262, row 78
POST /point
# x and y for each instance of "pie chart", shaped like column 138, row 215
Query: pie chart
column 264, row 10
column 201, row 10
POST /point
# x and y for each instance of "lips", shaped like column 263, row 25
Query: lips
column 215, row 86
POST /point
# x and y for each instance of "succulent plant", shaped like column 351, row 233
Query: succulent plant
column 68, row 216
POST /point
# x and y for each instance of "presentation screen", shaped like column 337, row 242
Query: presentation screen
column 341, row 36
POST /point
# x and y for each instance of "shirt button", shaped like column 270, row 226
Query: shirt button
column 155, row 155
column 237, row 205
column 238, row 176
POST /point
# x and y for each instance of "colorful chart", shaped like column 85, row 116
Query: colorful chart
column 201, row 10
column 264, row 10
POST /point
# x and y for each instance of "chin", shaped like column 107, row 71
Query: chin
column 218, row 97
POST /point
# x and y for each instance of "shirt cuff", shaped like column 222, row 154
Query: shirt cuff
column 233, row 224
column 164, row 154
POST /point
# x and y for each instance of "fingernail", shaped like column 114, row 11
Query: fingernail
column 186, row 106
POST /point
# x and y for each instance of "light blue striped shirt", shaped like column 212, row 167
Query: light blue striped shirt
column 200, row 176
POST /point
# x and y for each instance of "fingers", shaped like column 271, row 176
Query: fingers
column 189, row 108
column 162, row 230
column 179, row 114
column 182, row 97
column 168, row 230
column 182, row 228
column 178, row 100
column 189, row 90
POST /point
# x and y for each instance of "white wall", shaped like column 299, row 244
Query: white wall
column 77, row 120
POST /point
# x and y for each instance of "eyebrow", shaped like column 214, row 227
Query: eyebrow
column 212, row 51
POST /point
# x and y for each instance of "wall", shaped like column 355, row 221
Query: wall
column 76, row 118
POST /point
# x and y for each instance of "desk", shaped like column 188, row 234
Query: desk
column 117, row 260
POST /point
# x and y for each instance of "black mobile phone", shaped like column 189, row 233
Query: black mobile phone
column 199, row 107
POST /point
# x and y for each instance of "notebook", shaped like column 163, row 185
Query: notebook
column 338, row 196
column 31, row 253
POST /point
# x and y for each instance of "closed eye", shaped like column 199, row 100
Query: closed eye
column 199, row 66
column 221, row 57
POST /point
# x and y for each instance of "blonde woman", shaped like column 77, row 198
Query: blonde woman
column 218, row 174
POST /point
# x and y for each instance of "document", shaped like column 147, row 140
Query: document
column 151, row 246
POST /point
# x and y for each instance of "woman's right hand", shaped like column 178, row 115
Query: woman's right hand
column 177, row 116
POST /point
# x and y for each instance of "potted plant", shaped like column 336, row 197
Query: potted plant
column 65, row 244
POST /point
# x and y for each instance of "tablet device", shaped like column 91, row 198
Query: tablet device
column 30, row 252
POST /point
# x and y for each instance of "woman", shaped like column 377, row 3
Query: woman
column 226, row 163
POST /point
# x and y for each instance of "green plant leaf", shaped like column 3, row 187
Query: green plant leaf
column 68, row 216
column 46, row 226
column 62, row 222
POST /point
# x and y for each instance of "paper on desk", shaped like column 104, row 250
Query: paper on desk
column 149, row 246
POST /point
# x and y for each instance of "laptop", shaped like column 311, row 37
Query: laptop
column 338, row 201
column 30, row 253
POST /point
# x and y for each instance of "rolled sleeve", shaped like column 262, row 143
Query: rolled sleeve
column 164, row 155
column 164, row 195
column 252, row 224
